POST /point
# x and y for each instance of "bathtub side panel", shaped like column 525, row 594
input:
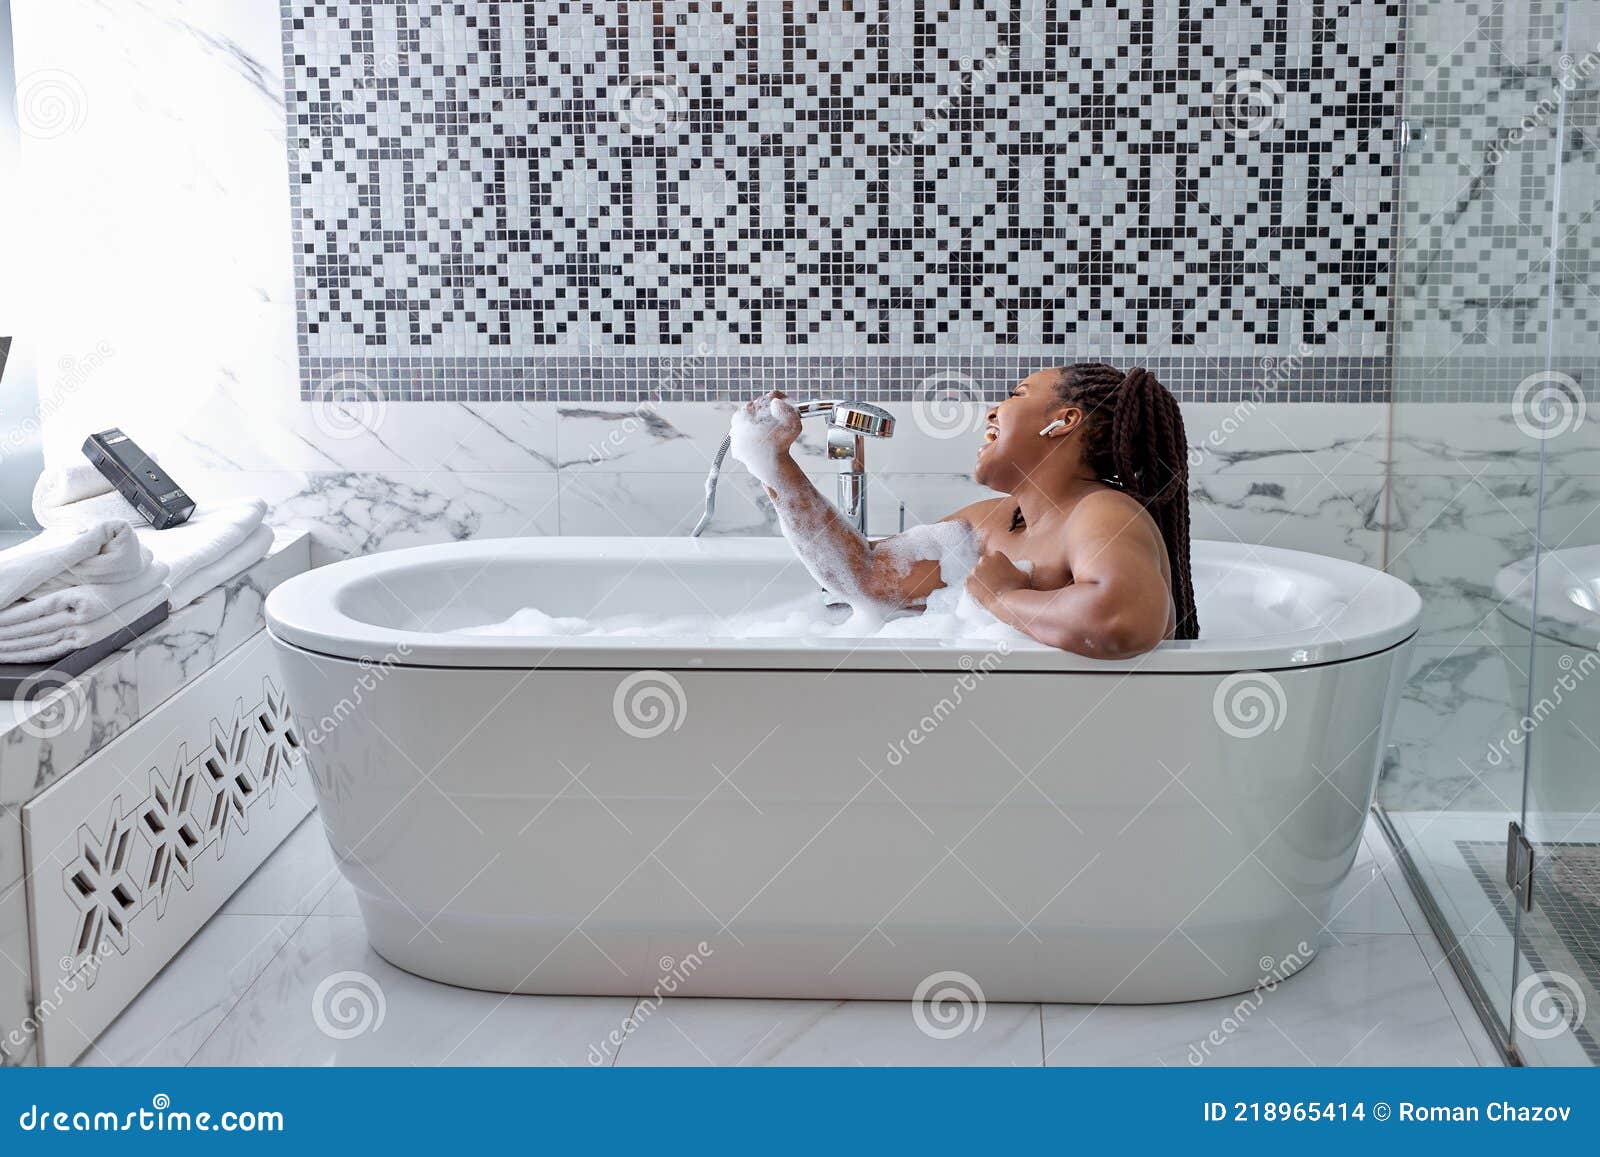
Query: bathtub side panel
column 1069, row 837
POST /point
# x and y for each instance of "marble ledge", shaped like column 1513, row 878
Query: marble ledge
column 117, row 692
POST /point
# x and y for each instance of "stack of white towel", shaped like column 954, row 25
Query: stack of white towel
column 98, row 566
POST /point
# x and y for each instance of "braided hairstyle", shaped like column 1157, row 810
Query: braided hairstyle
column 1133, row 439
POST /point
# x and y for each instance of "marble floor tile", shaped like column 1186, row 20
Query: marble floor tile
column 1369, row 1001
column 822, row 1032
column 293, row 880
column 178, row 1010
column 1365, row 901
column 328, row 999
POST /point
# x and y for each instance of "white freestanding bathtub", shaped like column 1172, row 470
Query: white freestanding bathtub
column 833, row 817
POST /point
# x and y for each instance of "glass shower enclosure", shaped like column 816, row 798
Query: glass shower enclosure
column 1491, row 790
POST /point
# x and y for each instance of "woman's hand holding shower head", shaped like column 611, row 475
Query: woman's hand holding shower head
column 762, row 431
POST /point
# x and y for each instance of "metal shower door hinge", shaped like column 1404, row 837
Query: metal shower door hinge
column 1519, row 866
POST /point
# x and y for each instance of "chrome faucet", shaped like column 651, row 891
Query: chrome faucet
column 852, row 422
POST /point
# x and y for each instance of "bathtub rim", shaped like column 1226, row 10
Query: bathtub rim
column 1383, row 613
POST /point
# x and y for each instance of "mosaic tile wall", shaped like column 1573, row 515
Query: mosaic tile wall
column 543, row 200
column 1491, row 140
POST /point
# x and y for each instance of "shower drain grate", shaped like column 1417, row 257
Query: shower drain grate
column 1563, row 929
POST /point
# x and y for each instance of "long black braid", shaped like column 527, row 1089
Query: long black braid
column 1133, row 439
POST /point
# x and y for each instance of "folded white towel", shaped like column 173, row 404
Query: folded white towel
column 86, row 555
column 48, row 646
column 77, row 495
column 246, row 554
column 211, row 535
column 75, row 605
column 70, row 495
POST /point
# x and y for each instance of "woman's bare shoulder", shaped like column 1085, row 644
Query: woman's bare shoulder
column 984, row 511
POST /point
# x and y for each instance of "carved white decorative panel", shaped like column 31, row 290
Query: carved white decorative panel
column 130, row 854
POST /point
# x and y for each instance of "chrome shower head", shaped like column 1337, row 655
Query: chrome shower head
column 851, row 417
column 863, row 418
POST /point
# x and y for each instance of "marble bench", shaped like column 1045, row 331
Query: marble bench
column 134, row 804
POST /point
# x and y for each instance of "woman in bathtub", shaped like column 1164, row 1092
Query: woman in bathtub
column 1093, row 468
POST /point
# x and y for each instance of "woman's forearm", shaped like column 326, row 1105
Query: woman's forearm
column 1075, row 618
column 835, row 552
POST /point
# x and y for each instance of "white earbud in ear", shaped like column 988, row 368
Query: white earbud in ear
column 1052, row 427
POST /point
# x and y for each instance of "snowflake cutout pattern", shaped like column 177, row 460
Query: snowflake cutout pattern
column 171, row 822
column 103, row 890
column 225, row 764
column 274, row 723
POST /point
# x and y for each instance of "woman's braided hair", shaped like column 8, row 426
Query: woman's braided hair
column 1133, row 439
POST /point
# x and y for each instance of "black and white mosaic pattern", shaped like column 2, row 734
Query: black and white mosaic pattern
column 487, row 195
column 1501, row 185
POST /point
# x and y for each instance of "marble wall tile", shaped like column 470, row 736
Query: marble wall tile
column 1449, row 535
column 1454, row 715
column 1281, row 438
column 158, row 212
column 351, row 431
column 1464, row 438
column 358, row 512
column 1340, row 516
column 642, row 503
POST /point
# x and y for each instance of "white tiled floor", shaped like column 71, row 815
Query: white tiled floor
column 245, row 991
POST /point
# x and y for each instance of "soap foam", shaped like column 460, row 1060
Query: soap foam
column 949, row 612
column 750, row 440
column 809, row 616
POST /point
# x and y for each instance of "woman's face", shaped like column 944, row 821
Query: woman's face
column 1012, row 447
